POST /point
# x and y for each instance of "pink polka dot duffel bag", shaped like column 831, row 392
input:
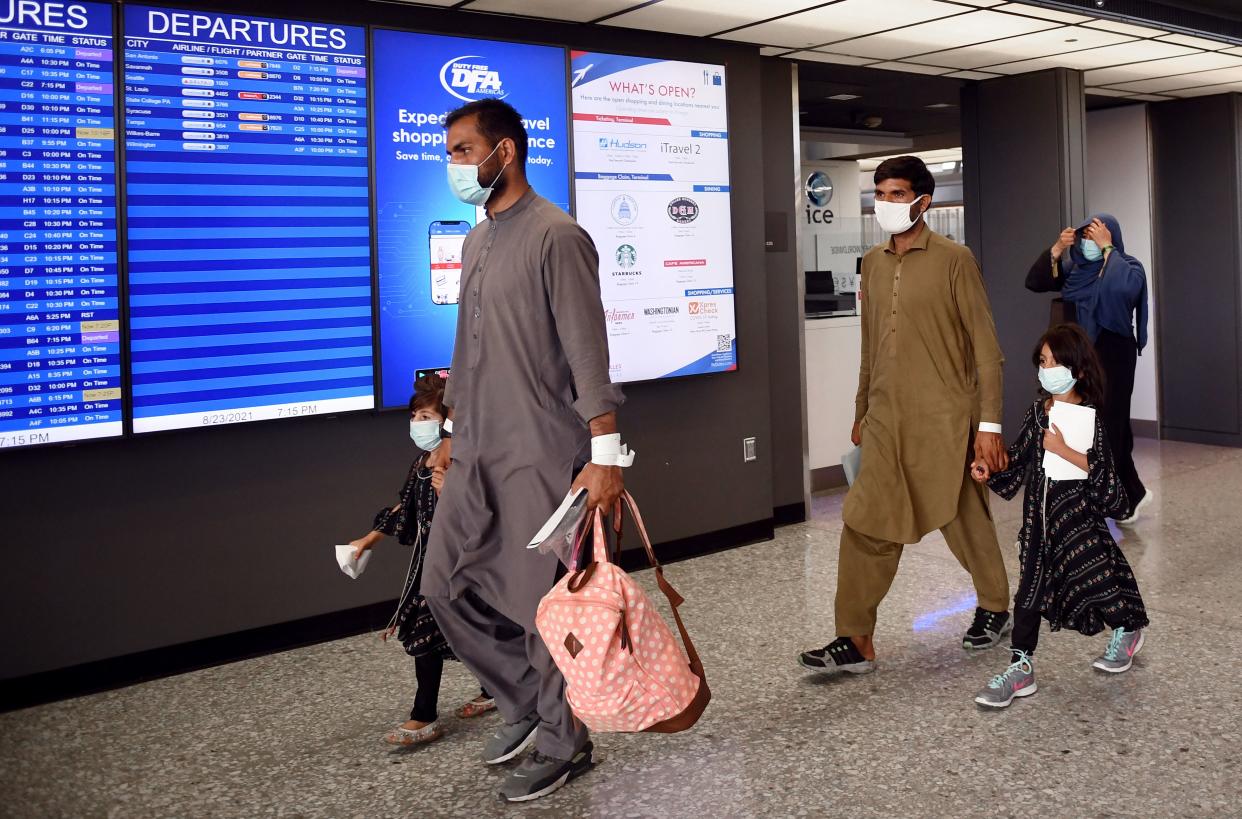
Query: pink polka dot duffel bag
column 623, row 668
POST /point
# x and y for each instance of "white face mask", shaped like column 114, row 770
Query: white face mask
column 894, row 217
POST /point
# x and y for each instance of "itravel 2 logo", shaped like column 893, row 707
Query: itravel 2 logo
column 470, row 81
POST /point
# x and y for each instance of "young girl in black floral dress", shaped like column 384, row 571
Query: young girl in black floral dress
column 1073, row 573
column 410, row 522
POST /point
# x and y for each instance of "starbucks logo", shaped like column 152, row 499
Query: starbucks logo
column 627, row 256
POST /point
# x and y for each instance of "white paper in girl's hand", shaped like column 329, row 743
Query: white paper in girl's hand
column 1076, row 424
column 351, row 567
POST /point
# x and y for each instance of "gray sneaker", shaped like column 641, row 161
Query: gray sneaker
column 1122, row 649
column 1018, row 680
column 540, row 775
column 511, row 740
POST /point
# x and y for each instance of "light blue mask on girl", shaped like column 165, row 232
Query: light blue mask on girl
column 1057, row 380
column 1090, row 250
column 425, row 434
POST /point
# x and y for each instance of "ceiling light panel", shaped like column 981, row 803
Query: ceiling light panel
column 1125, row 28
column 1194, row 42
column 938, row 35
column 702, row 17
column 912, row 68
column 1162, row 68
column 1026, row 46
column 1043, row 13
column 972, row 75
column 1195, row 80
column 1207, row 90
column 843, row 20
column 579, row 11
column 1096, row 57
column 825, row 57
column 1107, row 92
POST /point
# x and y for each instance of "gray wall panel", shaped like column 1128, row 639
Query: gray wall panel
column 786, row 355
column 1023, row 139
column 1195, row 147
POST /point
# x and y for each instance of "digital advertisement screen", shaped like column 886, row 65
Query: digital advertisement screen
column 248, row 218
column 420, row 224
column 651, row 161
column 60, row 340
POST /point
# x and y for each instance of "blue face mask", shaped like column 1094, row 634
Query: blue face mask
column 1056, row 380
column 425, row 434
column 1091, row 250
column 464, row 181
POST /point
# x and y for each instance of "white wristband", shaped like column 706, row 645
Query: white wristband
column 607, row 450
column 447, row 426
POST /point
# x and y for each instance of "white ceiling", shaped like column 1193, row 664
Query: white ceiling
column 969, row 39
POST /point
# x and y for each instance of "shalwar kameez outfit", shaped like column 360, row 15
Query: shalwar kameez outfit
column 410, row 523
column 530, row 370
column 930, row 373
column 1073, row 574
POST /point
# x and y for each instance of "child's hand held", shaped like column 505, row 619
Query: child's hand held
column 979, row 471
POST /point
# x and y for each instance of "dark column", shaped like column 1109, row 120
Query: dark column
column 786, row 353
column 1198, row 239
column 1024, row 155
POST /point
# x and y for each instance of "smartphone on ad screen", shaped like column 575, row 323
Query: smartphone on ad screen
column 446, row 240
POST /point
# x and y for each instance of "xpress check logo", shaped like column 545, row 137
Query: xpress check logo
column 469, row 79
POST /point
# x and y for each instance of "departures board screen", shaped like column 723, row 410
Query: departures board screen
column 60, row 341
column 248, row 218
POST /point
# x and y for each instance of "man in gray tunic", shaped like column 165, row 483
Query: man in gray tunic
column 530, row 402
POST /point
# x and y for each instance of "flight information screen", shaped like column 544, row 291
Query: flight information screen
column 248, row 218
column 60, row 344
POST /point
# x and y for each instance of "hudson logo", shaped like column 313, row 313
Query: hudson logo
column 661, row 311
column 683, row 210
column 704, row 308
column 613, row 314
column 615, row 144
column 624, row 210
column 627, row 256
column 469, row 80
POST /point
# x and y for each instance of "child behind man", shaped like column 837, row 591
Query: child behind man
column 1072, row 572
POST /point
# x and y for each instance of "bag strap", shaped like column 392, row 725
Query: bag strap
column 674, row 599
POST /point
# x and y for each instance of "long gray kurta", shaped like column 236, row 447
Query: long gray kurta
column 530, row 337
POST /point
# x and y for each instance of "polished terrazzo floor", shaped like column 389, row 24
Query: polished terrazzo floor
column 297, row 734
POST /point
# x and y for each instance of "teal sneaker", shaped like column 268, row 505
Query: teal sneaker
column 1122, row 649
column 1018, row 680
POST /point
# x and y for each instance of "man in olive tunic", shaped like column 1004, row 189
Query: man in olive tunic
column 530, row 400
column 929, row 402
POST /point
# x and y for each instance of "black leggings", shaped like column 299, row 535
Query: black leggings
column 1026, row 629
column 1119, row 358
column 428, row 670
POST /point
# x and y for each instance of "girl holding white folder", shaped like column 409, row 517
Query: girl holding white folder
column 1073, row 574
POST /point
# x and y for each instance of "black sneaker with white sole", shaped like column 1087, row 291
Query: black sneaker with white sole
column 987, row 630
column 839, row 656
column 540, row 775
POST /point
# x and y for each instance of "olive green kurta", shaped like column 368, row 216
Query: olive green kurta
column 930, row 372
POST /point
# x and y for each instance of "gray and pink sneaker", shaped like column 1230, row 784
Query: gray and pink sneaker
column 1018, row 680
column 1122, row 649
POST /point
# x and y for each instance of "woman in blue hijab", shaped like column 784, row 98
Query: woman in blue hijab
column 1105, row 290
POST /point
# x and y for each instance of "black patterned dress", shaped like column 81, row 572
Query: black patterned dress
column 410, row 523
column 1073, row 572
